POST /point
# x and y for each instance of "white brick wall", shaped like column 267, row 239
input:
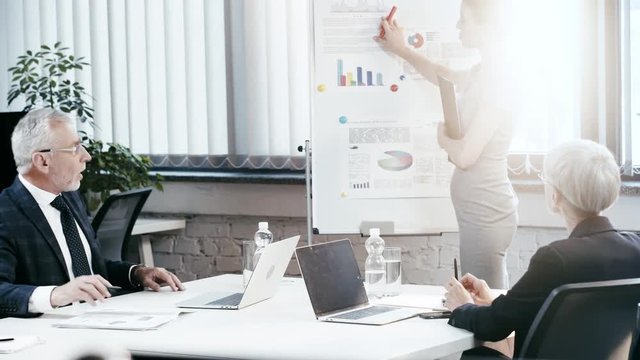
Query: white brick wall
column 211, row 245
column 219, row 216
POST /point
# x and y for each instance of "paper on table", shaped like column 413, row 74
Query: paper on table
column 433, row 302
column 120, row 320
column 18, row 343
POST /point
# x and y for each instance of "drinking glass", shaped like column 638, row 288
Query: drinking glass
column 392, row 261
column 248, row 263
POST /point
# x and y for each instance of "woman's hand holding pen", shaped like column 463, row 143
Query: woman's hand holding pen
column 456, row 294
column 393, row 40
column 469, row 290
column 478, row 289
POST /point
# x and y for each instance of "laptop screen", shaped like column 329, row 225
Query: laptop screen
column 332, row 277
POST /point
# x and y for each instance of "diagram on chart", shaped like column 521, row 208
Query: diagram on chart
column 385, row 160
column 396, row 160
column 380, row 114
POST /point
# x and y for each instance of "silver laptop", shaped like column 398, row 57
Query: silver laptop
column 336, row 289
column 262, row 284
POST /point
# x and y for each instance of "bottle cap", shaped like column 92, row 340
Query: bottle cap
column 263, row 225
column 374, row 232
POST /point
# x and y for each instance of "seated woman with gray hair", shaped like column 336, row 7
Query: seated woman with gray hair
column 581, row 179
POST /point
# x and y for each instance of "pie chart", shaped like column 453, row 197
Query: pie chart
column 396, row 160
column 416, row 40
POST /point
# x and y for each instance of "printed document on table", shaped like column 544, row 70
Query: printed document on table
column 119, row 320
column 431, row 302
column 18, row 343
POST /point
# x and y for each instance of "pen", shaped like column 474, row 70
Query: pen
column 389, row 17
column 7, row 339
column 455, row 268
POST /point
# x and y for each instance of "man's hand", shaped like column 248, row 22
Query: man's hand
column 83, row 288
column 478, row 289
column 154, row 277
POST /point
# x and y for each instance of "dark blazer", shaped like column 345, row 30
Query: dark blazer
column 30, row 255
column 594, row 251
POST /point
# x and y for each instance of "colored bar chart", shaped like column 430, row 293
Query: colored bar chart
column 361, row 77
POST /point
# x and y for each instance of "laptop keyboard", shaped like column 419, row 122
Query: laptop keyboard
column 233, row 299
column 363, row 313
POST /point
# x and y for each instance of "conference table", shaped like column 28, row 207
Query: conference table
column 283, row 327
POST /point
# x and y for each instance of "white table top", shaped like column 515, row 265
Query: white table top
column 283, row 327
column 146, row 226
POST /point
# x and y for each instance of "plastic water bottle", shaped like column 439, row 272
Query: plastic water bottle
column 263, row 237
column 374, row 267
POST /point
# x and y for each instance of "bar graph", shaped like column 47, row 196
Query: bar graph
column 359, row 77
column 360, row 186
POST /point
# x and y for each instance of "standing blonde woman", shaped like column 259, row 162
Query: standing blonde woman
column 482, row 196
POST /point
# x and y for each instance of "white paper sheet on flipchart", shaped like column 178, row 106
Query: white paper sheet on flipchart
column 428, row 302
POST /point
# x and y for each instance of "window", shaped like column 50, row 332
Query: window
column 225, row 84
column 631, row 85
column 198, row 84
column 550, row 69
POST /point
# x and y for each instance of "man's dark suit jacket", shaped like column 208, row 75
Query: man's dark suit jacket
column 30, row 255
column 594, row 251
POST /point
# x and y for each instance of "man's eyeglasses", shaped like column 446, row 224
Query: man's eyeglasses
column 74, row 150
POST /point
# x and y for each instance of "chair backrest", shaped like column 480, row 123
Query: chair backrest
column 634, row 352
column 594, row 320
column 8, row 121
column 115, row 220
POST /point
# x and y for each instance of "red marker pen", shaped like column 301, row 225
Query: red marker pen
column 389, row 17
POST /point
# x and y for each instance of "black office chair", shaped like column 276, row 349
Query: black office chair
column 115, row 219
column 8, row 121
column 594, row 320
column 634, row 352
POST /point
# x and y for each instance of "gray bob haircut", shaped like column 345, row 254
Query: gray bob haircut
column 33, row 133
column 585, row 173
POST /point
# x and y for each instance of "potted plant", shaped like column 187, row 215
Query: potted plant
column 113, row 167
column 40, row 78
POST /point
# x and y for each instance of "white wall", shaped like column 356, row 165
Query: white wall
column 219, row 216
column 290, row 201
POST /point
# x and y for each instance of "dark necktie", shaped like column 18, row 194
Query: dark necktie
column 79, row 262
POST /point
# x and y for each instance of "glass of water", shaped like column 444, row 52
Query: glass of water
column 392, row 261
column 248, row 262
